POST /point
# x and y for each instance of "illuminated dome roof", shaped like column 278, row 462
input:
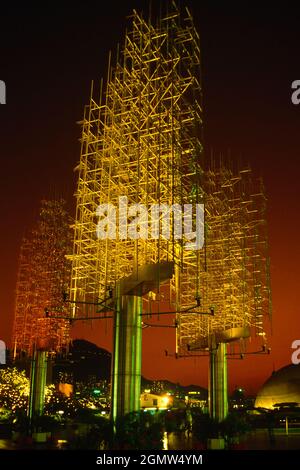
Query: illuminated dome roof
column 282, row 387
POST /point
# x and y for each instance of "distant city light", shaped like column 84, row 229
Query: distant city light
column 165, row 400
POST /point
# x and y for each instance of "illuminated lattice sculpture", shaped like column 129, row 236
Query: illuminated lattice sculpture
column 234, row 264
column 43, row 275
column 142, row 140
column 234, row 274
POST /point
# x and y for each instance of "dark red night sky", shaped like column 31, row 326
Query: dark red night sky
column 250, row 57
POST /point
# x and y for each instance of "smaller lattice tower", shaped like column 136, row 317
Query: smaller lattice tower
column 43, row 275
column 234, row 264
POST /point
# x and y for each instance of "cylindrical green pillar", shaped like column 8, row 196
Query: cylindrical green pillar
column 218, row 387
column 38, row 378
column 127, row 355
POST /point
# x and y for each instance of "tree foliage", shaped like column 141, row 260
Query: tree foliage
column 14, row 389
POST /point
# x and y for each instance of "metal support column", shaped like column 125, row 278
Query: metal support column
column 218, row 388
column 127, row 350
column 127, row 358
column 38, row 377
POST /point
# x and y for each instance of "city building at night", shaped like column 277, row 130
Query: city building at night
column 150, row 401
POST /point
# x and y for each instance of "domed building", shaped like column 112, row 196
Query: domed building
column 282, row 387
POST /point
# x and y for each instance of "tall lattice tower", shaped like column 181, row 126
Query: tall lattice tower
column 141, row 141
column 43, row 275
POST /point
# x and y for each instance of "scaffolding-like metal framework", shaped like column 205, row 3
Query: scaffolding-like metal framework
column 141, row 140
column 44, row 273
column 234, row 265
